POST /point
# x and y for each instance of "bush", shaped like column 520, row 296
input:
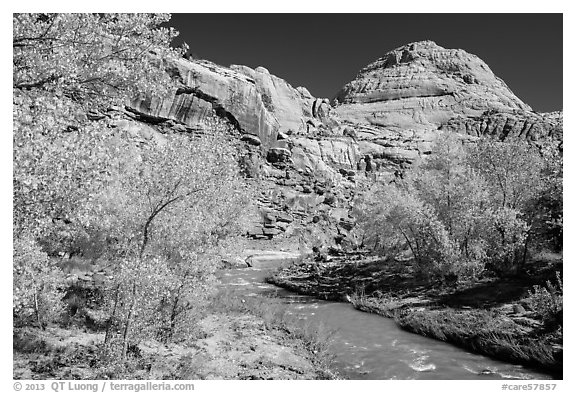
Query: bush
column 37, row 283
column 463, row 208
column 395, row 222
column 507, row 240
column 547, row 302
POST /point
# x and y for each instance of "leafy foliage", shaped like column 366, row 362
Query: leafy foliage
column 547, row 302
column 169, row 210
column 396, row 222
column 512, row 170
column 464, row 207
column 157, row 212
column 94, row 57
column 36, row 295
column 64, row 66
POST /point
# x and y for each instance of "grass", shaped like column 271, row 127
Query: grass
column 315, row 338
column 487, row 333
column 384, row 305
column 70, row 353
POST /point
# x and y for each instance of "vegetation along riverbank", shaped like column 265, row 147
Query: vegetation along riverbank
column 516, row 319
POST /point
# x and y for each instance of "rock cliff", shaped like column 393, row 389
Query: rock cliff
column 254, row 101
column 398, row 103
column 310, row 155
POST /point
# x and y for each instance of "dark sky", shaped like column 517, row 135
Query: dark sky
column 324, row 51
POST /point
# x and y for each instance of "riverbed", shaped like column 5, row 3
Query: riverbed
column 368, row 346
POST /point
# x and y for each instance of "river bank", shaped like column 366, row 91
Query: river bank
column 492, row 316
column 238, row 339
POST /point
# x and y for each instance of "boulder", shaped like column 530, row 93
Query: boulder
column 278, row 154
column 271, row 231
column 321, row 108
column 234, row 262
column 251, row 139
column 271, row 259
column 322, row 157
column 138, row 131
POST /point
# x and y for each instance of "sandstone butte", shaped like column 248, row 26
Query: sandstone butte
column 311, row 154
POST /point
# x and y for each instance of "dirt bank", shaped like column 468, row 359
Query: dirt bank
column 490, row 316
column 230, row 346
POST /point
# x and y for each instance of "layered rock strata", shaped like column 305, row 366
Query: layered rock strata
column 310, row 155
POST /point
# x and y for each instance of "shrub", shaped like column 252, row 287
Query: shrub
column 464, row 207
column 36, row 290
column 547, row 302
column 395, row 222
column 507, row 239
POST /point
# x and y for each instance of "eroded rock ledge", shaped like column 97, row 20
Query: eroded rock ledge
column 312, row 155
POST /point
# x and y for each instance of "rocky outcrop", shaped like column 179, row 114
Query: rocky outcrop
column 389, row 114
column 398, row 104
column 423, row 84
column 254, row 101
column 310, row 156
column 509, row 126
column 322, row 156
column 272, row 259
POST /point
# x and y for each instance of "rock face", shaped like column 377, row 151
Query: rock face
column 254, row 101
column 397, row 104
column 422, row 84
column 389, row 116
column 311, row 156
column 507, row 126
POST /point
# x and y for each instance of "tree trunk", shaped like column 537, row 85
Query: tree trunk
column 112, row 319
column 173, row 316
column 37, row 310
column 127, row 326
column 525, row 253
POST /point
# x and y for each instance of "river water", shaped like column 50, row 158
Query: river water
column 368, row 346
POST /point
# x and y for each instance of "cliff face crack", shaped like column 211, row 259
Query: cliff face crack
column 196, row 92
column 220, row 110
column 146, row 118
column 366, row 100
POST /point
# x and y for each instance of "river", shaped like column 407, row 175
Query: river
column 368, row 346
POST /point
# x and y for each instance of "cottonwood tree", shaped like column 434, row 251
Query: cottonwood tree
column 513, row 171
column 436, row 213
column 548, row 222
column 36, row 290
column 65, row 66
column 169, row 209
column 458, row 194
column 92, row 58
column 526, row 194
column 465, row 206
column 394, row 223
